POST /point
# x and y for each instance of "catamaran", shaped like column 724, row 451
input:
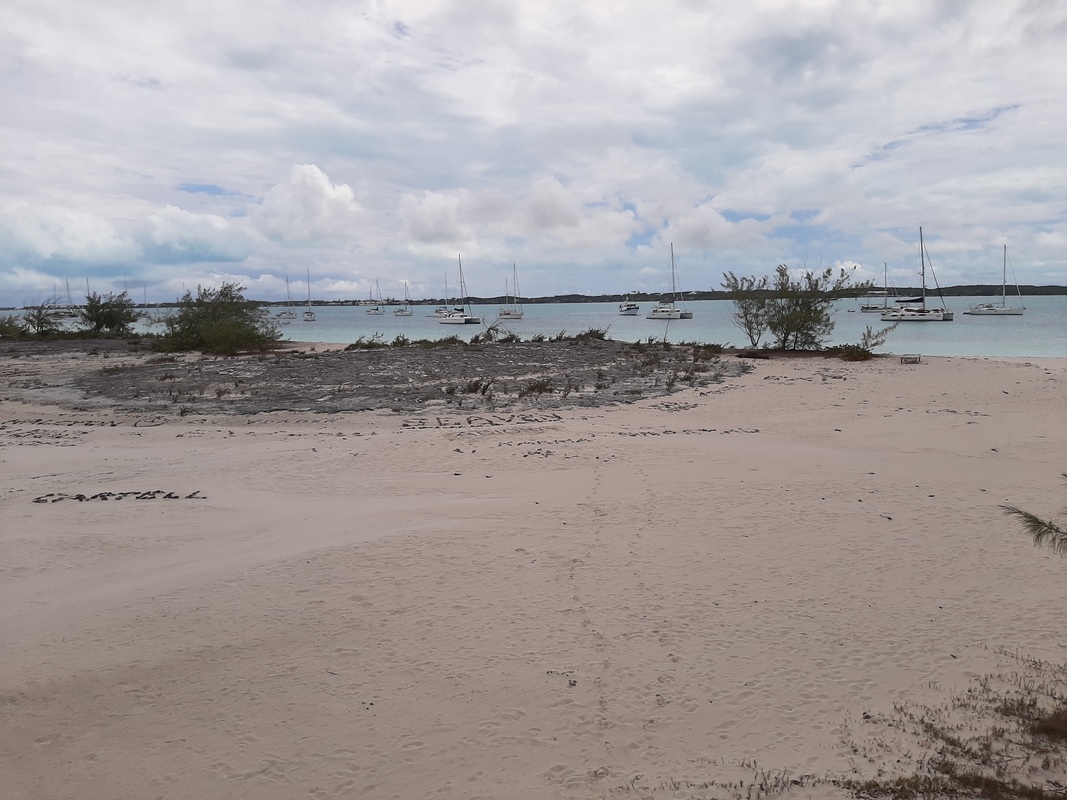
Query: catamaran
column 460, row 314
column 667, row 309
column 911, row 313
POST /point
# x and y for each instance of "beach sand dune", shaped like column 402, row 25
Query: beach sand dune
column 655, row 600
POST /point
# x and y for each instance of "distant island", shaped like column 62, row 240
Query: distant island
column 973, row 290
column 966, row 290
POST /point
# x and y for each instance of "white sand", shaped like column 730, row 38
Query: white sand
column 631, row 602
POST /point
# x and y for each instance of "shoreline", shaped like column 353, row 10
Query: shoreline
column 654, row 599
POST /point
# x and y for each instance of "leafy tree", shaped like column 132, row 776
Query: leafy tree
column 799, row 312
column 218, row 321
column 109, row 312
column 44, row 319
column 1044, row 532
column 750, row 304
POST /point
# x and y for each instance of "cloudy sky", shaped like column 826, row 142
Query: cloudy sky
column 158, row 146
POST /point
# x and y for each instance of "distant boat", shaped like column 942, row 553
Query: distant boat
column 461, row 315
column 376, row 309
column 1003, row 310
column 668, row 309
column 309, row 315
column 876, row 308
column 628, row 308
column 288, row 313
column 404, row 310
column 910, row 313
column 512, row 308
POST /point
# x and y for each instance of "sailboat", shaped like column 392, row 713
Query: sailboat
column 512, row 308
column 404, row 310
column 460, row 315
column 288, row 313
column 667, row 309
column 907, row 313
column 376, row 309
column 309, row 315
column 1003, row 310
column 875, row 308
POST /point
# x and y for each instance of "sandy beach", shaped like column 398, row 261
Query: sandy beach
column 664, row 599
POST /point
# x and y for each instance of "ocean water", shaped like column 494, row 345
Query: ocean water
column 1041, row 331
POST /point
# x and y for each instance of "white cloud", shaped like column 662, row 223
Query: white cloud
column 309, row 209
column 38, row 234
column 176, row 236
column 578, row 138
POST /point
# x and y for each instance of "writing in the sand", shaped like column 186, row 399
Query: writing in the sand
column 155, row 494
column 480, row 420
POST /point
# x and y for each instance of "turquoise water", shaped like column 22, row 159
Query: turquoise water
column 1041, row 331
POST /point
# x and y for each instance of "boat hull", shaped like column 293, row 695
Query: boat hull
column 508, row 314
column 917, row 315
column 665, row 313
column 460, row 319
column 995, row 311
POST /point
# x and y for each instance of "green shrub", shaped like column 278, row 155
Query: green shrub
column 218, row 321
column 113, row 313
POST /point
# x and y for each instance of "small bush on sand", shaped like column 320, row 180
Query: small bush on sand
column 218, row 321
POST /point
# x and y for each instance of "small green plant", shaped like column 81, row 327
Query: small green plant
column 537, row 387
column 372, row 342
column 559, row 337
column 1044, row 532
column 399, row 341
column 592, row 335
column 865, row 349
column 538, row 337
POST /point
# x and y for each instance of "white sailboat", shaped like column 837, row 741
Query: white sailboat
column 288, row 313
column 1003, row 310
column 668, row 309
column 376, row 309
column 512, row 308
column 461, row 314
column 309, row 315
column 908, row 313
column 404, row 310
column 878, row 308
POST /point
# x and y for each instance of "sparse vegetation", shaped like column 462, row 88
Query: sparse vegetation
column 44, row 319
column 1003, row 738
column 1044, row 532
column 218, row 321
column 864, row 350
column 750, row 304
column 11, row 327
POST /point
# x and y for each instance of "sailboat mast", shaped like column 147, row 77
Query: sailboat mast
column 922, row 261
column 1004, row 281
